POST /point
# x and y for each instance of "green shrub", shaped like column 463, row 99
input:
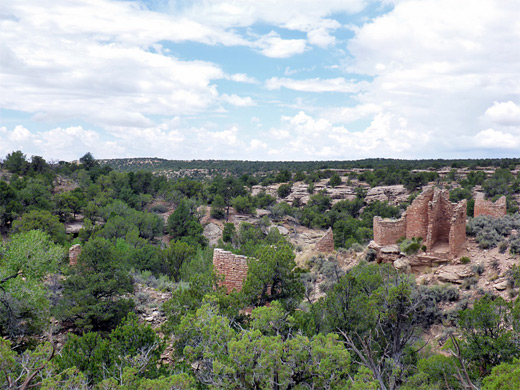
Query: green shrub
column 284, row 190
column 465, row 259
column 411, row 247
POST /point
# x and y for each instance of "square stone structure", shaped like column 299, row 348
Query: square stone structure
column 440, row 223
column 232, row 267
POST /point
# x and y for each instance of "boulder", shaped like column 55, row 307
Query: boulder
column 213, row 233
column 403, row 265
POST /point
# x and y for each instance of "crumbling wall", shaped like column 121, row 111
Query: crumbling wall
column 388, row 231
column 486, row 207
column 326, row 243
column 74, row 252
column 440, row 210
column 417, row 215
column 430, row 216
column 232, row 267
column 457, row 237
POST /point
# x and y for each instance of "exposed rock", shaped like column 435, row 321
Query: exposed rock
column 449, row 276
column 403, row 265
column 213, row 233
column 73, row 227
column 501, row 285
column 391, row 194
column 283, row 230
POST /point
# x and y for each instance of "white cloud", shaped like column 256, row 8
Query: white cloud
column 351, row 114
column 496, row 139
column 272, row 45
column 440, row 65
column 238, row 100
column 504, row 113
column 316, row 85
column 243, row 78
column 59, row 143
column 91, row 61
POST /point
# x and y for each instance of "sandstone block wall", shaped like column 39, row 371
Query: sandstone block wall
column 232, row 267
column 74, row 252
column 486, row 207
column 326, row 243
column 387, row 231
column 440, row 223
column 457, row 235
column 417, row 215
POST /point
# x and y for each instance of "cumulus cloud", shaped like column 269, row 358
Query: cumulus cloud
column 504, row 113
column 316, row 85
column 272, row 45
column 441, row 65
column 496, row 139
column 238, row 100
column 68, row 143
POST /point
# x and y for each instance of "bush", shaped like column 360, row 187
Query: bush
column 284, row 190
column 515, row 245
column 335, row 180
column 465, row 259
column 371, row 255
column 411, row 247
column 502, row 247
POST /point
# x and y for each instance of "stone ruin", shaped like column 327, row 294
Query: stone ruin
column 326, row 243
column 486, row 207
column 232, row 267
column 74, row 252
column 440, row 223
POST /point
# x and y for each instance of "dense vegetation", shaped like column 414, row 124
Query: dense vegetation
column 367, row 331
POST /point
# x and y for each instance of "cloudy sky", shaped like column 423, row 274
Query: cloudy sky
column 260, row 80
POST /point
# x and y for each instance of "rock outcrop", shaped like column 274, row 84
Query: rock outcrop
column 213, row 233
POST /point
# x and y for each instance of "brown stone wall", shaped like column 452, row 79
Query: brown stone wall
column 430, row 216
column 458, row 228
column 326, row 243
column 387, row 231
column 417, row 215
column 232, row 267
column 439, row 217
column 74, row 252
column 486, row 207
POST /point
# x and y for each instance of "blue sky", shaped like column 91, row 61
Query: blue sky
column 260, row 80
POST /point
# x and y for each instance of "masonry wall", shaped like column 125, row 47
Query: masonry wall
column 417, row 215
column 458, row 228
column 326, row 243
column 74, row 252
column 430, row 216
column 439, row 217
column 387, row 232
column 486, row 207
column 232, row 267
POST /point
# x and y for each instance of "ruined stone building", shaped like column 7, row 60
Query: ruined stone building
column 232, row 267
column 326, row 243
column 431, row 216
column 486, row 207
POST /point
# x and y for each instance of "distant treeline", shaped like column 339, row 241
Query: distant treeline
column 240, row 167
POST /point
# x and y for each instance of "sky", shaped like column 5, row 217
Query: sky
column 260, row 80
